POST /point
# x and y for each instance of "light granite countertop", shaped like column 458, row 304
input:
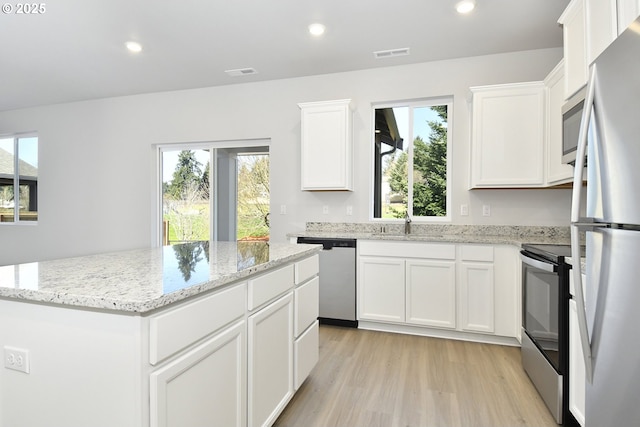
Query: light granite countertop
column 446, row 233
column 142, row 280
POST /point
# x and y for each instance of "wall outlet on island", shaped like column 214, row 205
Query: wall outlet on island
column 16, row 359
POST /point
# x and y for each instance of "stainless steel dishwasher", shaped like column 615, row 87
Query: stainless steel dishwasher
column 337, row 280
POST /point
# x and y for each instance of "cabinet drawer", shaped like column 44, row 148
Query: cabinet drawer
column 306, row 269
column 476, row 253
column 407, row 249
column 268, row 286
column 305, row 349
column 306, row 300
column 176, row 329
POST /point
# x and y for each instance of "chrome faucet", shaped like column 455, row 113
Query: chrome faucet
column 407, row 224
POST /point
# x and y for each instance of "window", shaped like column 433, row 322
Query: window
column 412, row 136
column 215, row 191
column 18, row 178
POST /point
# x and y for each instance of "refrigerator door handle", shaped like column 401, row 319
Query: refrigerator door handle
column 581, row 151
column 581, row 155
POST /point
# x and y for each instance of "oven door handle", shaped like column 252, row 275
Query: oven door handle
column 545, row 266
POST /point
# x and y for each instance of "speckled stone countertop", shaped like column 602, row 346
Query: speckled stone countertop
column 487, row 234
column 145, row 279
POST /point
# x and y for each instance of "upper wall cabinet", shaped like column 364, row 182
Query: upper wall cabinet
column 628, row 11
column 327, row 146
column 556, row 172
column 573, row 23
column 602, row 25
column 507, row 139
column 589, row 27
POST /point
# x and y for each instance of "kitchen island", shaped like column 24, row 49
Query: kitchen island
column 204, row 333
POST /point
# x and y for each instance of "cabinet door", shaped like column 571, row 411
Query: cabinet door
column 574, row 33
column 205, row 387
column 508, row 136
column 270, row 372
column 306, row 353
column 431, row 293
column 602, row 22
column 381, row 294
column 326, row 146
column 556, row 171
column 477, row 297
column 576, row 366
column 628, row 11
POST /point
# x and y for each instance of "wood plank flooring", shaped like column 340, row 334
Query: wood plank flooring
column 368, row 379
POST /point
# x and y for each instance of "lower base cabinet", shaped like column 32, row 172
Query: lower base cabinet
column 381, row 294
column 204, row 387
column 270, row 361
column 431, row 293
column 469, row 291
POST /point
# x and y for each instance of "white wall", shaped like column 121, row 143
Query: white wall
column 97, row 164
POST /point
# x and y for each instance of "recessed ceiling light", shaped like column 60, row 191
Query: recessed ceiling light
column 316, row 29
column 134, row 47
column 465, row 6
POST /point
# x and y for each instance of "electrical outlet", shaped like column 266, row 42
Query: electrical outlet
column 283, row 209
column 16, row 359
column 349, row 210
column 464, row 210
column 325, row 209
column 486, row 210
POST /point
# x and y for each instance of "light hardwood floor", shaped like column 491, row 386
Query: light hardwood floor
column 367, row 379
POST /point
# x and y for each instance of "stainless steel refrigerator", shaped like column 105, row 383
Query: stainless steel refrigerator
column 610, row 323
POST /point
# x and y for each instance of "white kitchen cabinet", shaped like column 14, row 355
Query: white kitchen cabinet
column 327, row 145
column 407, row 282
column 205, row 386
column 507, row 139
column 306, row 326
column 477, row 288
column 602, row 25
column 381, row 291
column 577, row 372
column 466, row 291
column 574, row 32
column 477, row 296
column 431, row 293
column 628, row 11
column 270, row 361
column 556, row 172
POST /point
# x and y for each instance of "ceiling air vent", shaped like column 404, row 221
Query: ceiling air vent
column 241, row 72
column 391, row 53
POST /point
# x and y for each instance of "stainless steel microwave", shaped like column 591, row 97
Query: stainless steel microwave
column 571, row 118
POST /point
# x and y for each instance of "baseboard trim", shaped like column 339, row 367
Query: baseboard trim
column 438, row 333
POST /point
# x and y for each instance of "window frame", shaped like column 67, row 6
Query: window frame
column 16, row 176
column 212, row 146
column 412, row 104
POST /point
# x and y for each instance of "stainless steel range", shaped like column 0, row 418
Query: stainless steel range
column 545, row 323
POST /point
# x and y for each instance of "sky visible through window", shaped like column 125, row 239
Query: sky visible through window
column 28, row 149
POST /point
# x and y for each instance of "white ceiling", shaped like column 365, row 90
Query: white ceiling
column 75, row 49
